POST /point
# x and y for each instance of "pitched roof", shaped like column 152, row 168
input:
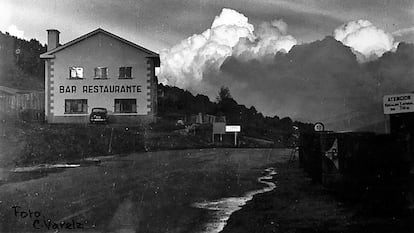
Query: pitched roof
column 49, row 54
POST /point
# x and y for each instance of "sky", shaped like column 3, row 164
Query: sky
column 160, row 24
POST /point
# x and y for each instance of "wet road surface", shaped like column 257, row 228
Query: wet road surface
column 142, row 192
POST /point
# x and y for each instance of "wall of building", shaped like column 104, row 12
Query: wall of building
column 100, row 50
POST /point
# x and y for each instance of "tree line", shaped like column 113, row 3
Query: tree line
column 20, row 63
column 175, row 103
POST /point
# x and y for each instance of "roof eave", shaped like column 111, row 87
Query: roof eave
column 157, row 61
column 70, row 43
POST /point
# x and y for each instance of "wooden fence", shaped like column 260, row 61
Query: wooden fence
column 27, row 106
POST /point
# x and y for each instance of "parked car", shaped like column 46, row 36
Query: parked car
column 99, row 115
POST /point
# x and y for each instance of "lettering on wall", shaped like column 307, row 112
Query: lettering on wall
column 102, row 89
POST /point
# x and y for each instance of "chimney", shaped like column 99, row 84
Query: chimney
column 52, row 39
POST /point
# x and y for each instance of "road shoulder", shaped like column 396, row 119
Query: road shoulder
column 299, row 205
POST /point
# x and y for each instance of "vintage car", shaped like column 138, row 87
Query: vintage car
column 99, row 115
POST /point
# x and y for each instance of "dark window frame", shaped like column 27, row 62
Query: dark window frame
column 99, row 74
column 125, row 72
column 121, row 106
column 72, row 104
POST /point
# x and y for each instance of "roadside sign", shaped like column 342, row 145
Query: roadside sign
column 233, row 128
column 332, row 153
column 400, row 103
column 318, row 127
column 219, row 128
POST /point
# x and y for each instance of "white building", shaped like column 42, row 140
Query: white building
column 99, row 69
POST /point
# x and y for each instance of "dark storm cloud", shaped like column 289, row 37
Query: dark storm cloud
column 319, row 81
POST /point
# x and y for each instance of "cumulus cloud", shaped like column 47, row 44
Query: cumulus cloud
column 230, row 33
column 185, row 62
column 367, row 41
column 14, row 31
column 271, row 38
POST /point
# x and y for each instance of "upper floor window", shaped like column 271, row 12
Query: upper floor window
column 125, row 72
column 75, row 72
column 101, row 72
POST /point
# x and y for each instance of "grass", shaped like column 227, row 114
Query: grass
column 31, row 143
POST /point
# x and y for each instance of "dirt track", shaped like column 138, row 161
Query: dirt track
column 141, row 192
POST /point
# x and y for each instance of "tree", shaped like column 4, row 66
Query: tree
column 224, row 93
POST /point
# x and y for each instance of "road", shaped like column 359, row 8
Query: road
column 140, row 192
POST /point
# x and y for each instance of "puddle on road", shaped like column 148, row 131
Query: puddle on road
column 44, row 167
column 224, row 207
column 33, row 172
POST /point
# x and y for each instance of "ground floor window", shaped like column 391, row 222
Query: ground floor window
column 125, row 105
column 76, row 106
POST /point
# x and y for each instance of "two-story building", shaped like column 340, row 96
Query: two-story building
column 99, row 70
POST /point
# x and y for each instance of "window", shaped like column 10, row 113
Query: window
column 76, row 72
column 125, row 72
column 76, row 106
column 125, row 105
column 101, row 72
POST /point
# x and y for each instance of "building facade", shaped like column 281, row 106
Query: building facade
column 99, row 70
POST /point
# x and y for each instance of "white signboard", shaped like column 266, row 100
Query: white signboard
column 400, row 103
column 233, row 128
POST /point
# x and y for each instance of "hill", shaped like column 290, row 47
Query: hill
column 20, row 64
column 176, row 103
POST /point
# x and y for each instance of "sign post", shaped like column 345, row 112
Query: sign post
column 233, row 129
column 235, row 138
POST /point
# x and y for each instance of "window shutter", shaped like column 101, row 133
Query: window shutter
column 128, row 72
column 79, row 72
column 122, row 72
column 104, row 72
column 84, row 106
column 134, row 107
column 117, row 106
column 72, row 72
column 96, row 72
column 67, row 106
column 78, row 106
